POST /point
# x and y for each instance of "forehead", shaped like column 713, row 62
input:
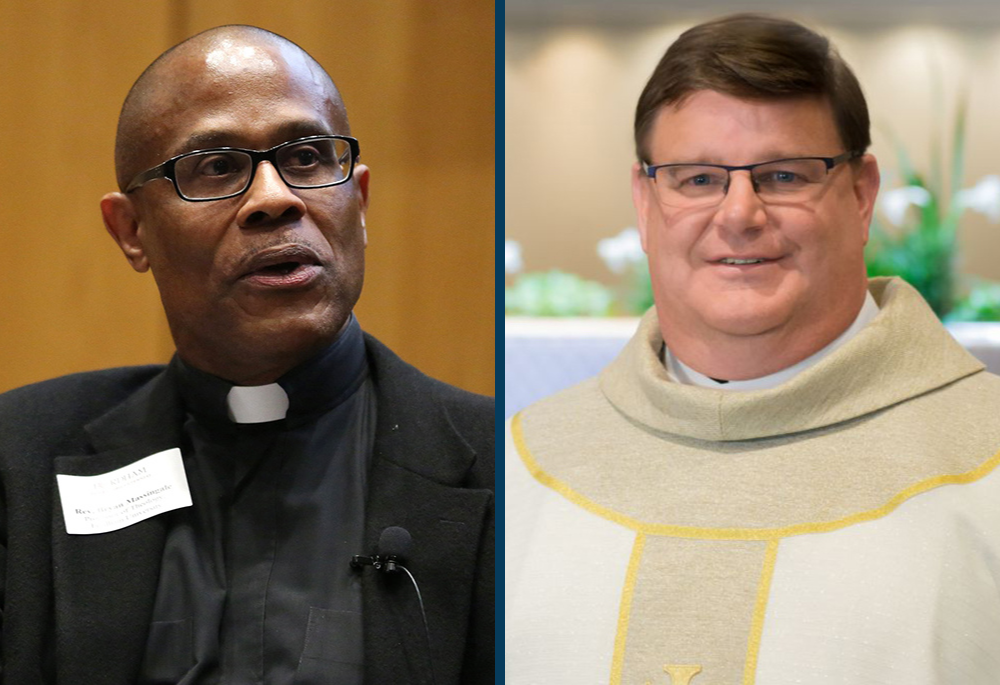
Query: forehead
column 709, row 126
column 233, row 92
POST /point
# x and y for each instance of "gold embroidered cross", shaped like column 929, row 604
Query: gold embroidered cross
column 680, row 675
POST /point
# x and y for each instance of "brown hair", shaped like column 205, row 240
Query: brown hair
column 754, row 56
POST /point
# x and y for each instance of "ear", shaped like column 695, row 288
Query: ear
column 866, row 183
column 643, row 196
column 122, row 224
column 361, row 177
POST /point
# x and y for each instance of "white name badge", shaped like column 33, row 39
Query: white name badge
column 119, row 498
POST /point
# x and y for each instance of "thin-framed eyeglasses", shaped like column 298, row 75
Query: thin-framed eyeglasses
column 224, row 172
column 796, row 179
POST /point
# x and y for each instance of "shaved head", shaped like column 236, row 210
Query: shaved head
column 214, row 53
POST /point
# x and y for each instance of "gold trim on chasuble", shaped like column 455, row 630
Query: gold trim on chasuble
column 698, row 546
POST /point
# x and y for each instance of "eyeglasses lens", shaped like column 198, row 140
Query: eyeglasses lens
column 301, row 163
column 314, row 162
column 692, row 185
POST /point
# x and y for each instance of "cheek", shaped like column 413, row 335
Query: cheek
column 828, row 252
column 185, row 246
column 671, row 270
column 340, row 223
column 672, row 242
column 829, row 229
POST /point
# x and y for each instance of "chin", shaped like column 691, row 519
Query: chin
column 745, row 319
column 279, row 330
column 743, row 327
column 301, row 330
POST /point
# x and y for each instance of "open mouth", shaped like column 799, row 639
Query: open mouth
column 286, row 266
column 282, row 269
column 284, row 275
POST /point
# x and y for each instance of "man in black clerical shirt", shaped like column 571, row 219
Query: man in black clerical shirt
column 196, row 523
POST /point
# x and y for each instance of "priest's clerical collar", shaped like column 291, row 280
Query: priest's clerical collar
column 679, row 372
column 311, row 388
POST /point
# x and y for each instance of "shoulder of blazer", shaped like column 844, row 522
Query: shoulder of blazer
column 53, row 413
column 418, row 415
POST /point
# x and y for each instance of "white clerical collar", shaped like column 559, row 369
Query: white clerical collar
column 679, row 372
column 257, row 403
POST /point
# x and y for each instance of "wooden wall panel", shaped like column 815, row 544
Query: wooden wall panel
column 418, row 80
column 68, row 301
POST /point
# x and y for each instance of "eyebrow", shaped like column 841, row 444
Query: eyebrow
column 290, row 130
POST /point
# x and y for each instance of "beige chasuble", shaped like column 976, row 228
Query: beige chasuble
column 843, row 527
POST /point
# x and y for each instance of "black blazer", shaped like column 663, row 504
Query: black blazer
column 76, row 608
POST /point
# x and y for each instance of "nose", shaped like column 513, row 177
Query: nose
column 269, row 200
column 741, row 208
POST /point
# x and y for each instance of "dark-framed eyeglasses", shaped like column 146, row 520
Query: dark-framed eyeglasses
column 224, row 172
column 795, row 179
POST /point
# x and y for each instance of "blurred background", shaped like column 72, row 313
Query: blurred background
column 573, row 70
column 418, row 81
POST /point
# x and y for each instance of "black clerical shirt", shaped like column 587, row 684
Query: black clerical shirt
column 255, row 583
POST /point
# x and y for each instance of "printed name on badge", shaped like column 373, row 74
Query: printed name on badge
column 117, row 499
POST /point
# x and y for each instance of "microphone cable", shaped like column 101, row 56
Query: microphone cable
column 393, row 545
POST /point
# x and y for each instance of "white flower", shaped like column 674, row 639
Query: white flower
column 894, row 203
column 983, row 197
column 621, row 251
column 512, row 257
